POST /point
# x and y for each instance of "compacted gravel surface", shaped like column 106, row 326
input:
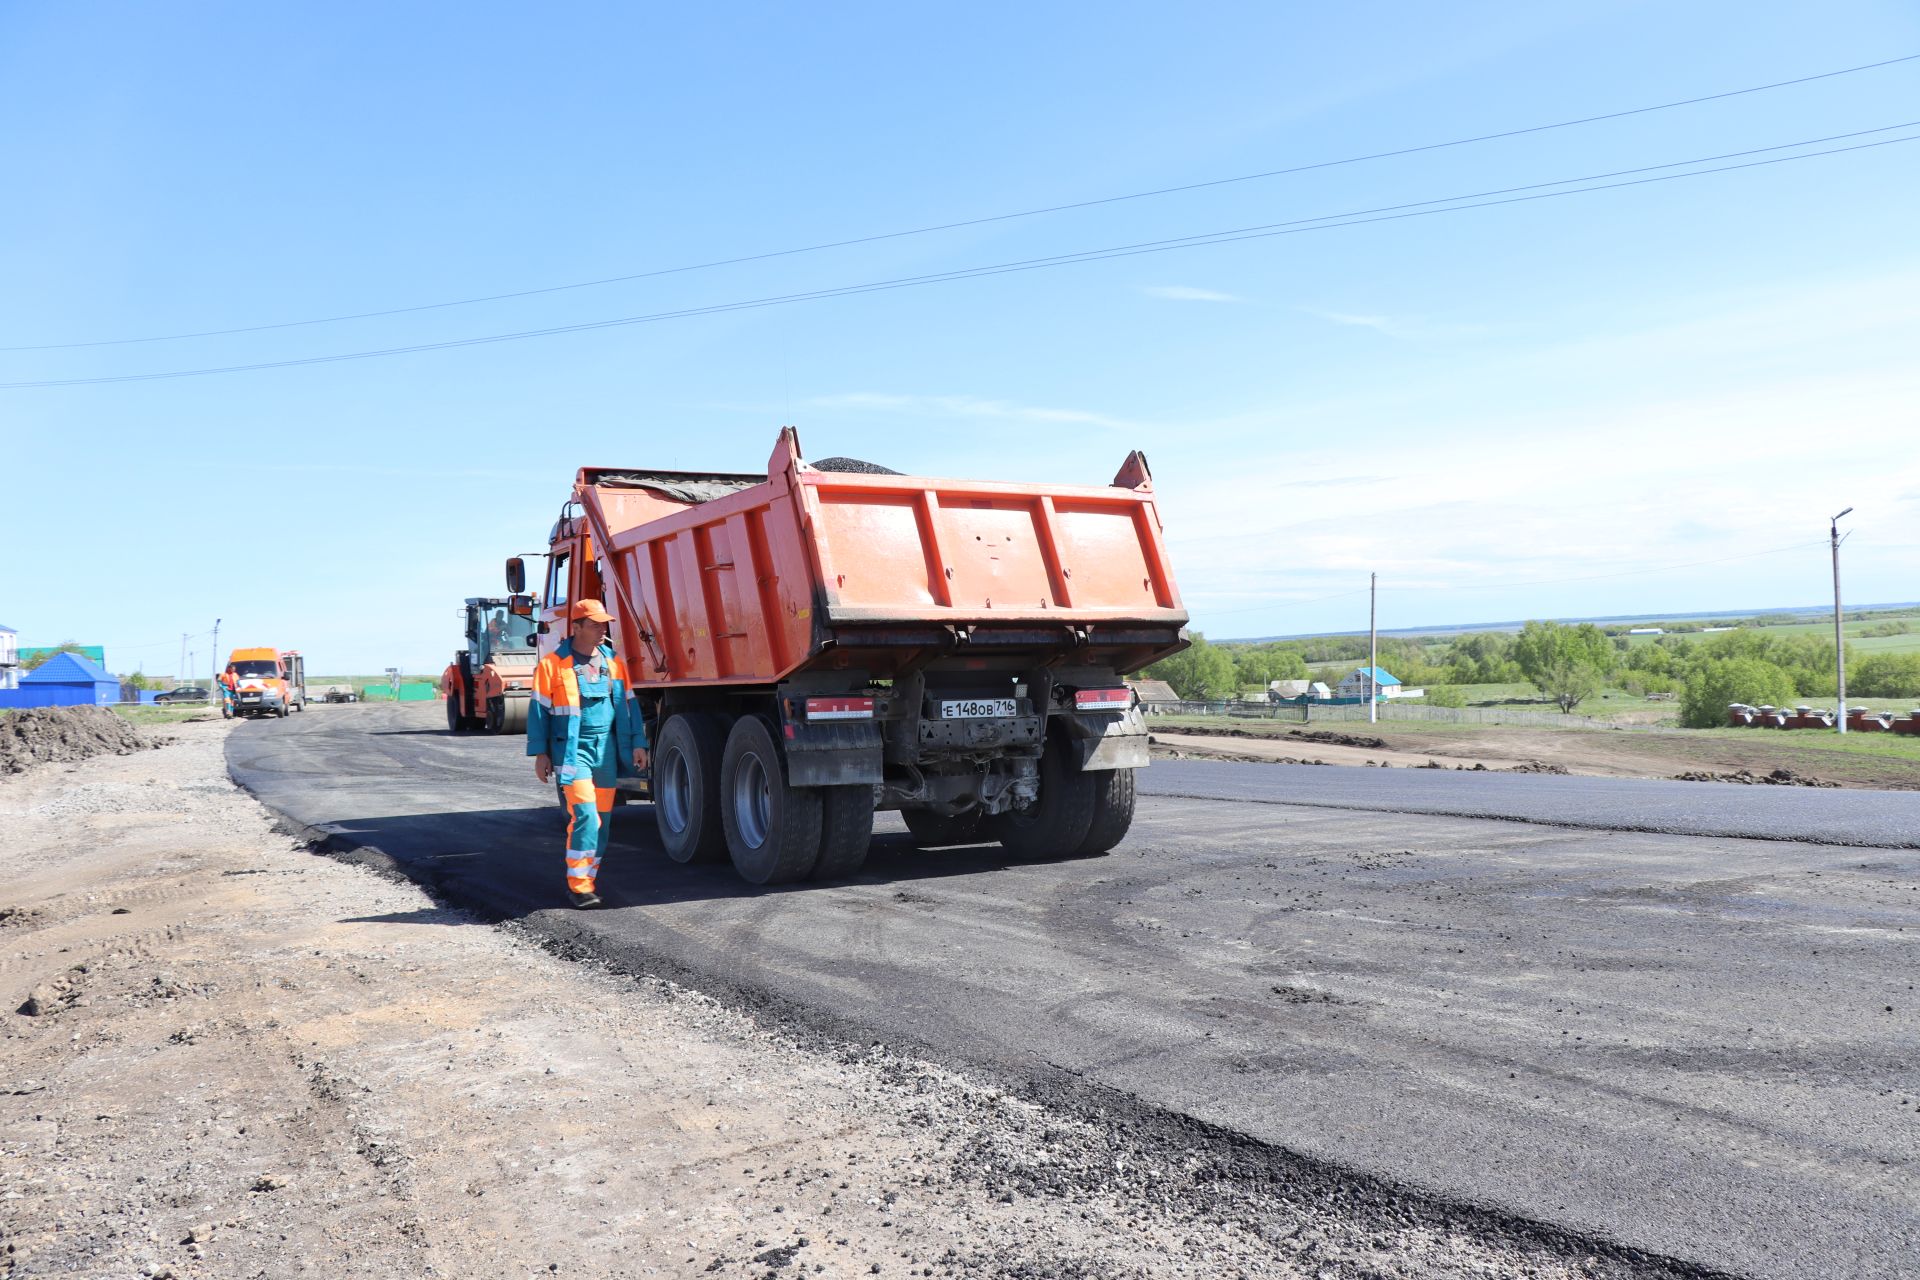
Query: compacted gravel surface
column 1600, row 1041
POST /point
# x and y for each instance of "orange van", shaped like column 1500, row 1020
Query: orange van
column 267, row 682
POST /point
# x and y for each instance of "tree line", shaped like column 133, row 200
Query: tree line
column 1568, row 664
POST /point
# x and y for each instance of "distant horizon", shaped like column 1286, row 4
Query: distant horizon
column 1825, row 610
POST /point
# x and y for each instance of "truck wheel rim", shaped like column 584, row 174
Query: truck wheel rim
column 751, row 803
column 676, row 792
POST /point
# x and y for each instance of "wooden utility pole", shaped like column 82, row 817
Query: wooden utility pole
column 1839, row 636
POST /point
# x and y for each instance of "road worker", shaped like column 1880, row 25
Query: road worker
column 229, row 700
column 582, row 726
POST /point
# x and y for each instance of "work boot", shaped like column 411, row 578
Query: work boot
column 585, row 901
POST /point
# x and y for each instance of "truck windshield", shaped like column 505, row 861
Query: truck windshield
column 256, row 667
column 505, row 629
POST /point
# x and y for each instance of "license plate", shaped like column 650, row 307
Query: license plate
column 977, row 709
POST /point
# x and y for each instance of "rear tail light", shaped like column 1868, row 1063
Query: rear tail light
column 1102, row 699
column 839, row 708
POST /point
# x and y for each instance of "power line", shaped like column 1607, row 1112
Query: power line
column 1539, row 582
column 972, row 222
column 1388, row 213
column 1628, row 573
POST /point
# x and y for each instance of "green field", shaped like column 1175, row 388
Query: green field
column 1853, row 629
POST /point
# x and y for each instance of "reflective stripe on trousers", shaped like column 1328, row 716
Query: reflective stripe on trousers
column 590, row 798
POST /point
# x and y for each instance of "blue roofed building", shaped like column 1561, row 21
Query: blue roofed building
column 1369, row 682
column 64, row 680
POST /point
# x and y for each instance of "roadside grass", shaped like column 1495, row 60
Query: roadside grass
column 146, row 717
column 1885, row 745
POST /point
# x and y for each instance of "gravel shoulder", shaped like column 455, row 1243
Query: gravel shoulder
column 224, row 1056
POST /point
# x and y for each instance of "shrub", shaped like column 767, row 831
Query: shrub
column 1446, row 695
column 1720, row 681
column 1885, row 675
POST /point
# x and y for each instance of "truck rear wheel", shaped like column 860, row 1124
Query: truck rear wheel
column 1056, row 824
column 846, row 829
column 686, row 787
column 1113, row 794
column 931, row 830
column 773, row 830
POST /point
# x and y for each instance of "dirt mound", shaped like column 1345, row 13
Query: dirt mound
column 1778, row 778
column 1168, row 751
column 40, row 735
column 1330, row 736
column 1338, row 739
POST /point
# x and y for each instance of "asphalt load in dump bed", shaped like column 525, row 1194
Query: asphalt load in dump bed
column 1696, row 1047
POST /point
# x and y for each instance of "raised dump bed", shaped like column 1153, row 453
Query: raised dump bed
column 817, row 642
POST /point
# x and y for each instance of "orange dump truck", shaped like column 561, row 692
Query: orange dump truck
column 267, row 682
column 817, row 642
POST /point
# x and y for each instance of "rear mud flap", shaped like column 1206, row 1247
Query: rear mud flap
column 1105, row 740
column 840, row 754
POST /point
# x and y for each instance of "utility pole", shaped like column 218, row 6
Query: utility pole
column 1373, row 648
column 1839, row 636
column 182, row 668
column 213, row 661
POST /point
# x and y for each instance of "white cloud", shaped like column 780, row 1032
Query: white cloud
column 1687, row 463
column 1187, row 293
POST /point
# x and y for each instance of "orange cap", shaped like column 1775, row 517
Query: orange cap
column 588, row 609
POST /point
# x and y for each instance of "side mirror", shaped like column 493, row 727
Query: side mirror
column 520, row 606
column 516, row 575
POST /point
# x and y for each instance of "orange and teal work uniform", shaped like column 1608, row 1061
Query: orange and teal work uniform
column 583, row 718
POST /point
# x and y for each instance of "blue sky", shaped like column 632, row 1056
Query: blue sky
column 1606, row 403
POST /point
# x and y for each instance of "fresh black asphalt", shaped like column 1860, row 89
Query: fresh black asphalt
column 1688, row 1043
column 1873, row 819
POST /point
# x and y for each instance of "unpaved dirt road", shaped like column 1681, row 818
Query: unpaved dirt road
column 1594, row 752
column 1694, row 1045
column 223, row 1056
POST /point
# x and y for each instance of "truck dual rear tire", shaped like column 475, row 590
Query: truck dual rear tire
column 773, row 830
column 1113, row 798
column 1058, row 823
column 846, row 830
column 687, row 786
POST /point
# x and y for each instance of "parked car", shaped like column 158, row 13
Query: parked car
column 186, row 693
